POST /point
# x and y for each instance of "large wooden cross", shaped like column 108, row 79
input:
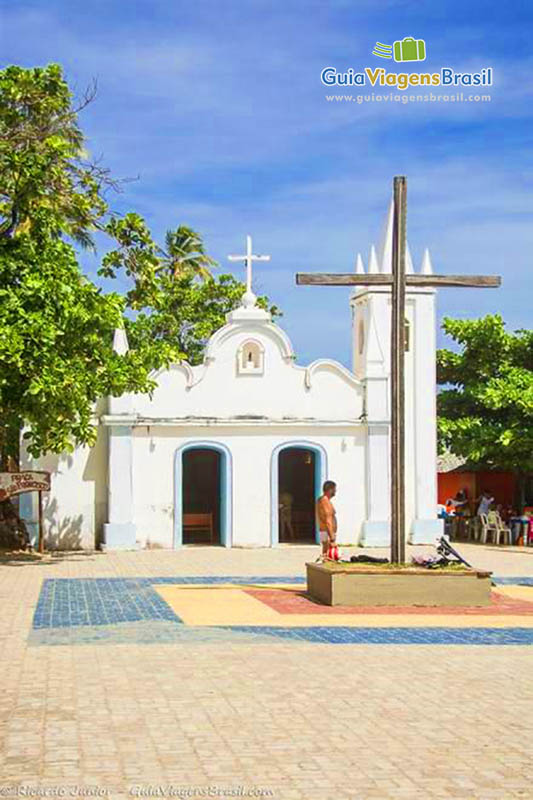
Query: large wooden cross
column 398, row 280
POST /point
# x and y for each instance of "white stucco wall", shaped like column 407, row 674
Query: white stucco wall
column 325, row 391
column 371, row 336
column 251, row 414
column 76, row 506
column 251, row 450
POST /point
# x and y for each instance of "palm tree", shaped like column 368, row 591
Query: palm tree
column 185, row 254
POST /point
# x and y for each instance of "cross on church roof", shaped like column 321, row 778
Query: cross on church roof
column 249, row 257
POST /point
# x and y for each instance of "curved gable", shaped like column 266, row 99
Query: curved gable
column 268, row 386
column 259, row 330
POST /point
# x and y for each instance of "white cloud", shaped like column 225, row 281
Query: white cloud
column 227, row 125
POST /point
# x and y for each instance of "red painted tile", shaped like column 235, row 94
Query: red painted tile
column 290, row 602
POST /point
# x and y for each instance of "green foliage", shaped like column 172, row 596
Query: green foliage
column 56, row 326
column 137, row 255
column 486, row 409
column 45, row 181
column 185, row 253
column 56, row 357
column 187, row 312
column 176, row 298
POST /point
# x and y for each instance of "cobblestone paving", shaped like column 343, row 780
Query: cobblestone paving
column 296, row 718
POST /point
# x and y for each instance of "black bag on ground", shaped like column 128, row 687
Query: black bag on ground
column 368, row 560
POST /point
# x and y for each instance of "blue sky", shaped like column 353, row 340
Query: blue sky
column 218, row 108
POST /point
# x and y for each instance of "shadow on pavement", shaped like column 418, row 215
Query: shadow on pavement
column 19, row 558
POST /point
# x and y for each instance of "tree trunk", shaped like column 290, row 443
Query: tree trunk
column 520, row 490
column 9, row 448
column 13, row 531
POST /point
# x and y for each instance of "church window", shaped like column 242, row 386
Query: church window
column 407, row 335
column 250, row 358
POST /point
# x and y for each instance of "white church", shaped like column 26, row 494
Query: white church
column 234, row 452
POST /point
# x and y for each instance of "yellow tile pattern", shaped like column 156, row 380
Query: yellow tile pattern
column 517, row 592
column 233, row 606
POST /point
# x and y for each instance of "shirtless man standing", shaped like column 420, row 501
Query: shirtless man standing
column 325, row 515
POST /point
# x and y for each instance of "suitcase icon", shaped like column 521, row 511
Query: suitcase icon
column 410, row 49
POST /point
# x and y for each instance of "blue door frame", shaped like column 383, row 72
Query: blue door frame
column 321, row 471
column 226, row 490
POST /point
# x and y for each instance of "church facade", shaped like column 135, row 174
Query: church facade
column 234, row 452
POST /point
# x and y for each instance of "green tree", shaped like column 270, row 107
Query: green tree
column 185, row 253
column 188, row 312
column 56, row 356
column 56, row 326
column 176, row 299
column 45, row 177
column 485, row 410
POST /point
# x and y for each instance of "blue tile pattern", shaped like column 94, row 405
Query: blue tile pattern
column 129, row 610
column 66, row 602
column 514, row 581
column 345, row 635
column 143, row 632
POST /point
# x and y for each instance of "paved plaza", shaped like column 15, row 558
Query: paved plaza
column 207, row 672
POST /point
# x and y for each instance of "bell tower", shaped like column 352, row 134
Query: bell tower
column 371, row 336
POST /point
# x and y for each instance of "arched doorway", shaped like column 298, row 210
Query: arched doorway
column 202, row 495
column 298, row 471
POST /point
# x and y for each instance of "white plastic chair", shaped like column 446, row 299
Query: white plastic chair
column 488, row 528
column 502, row 530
